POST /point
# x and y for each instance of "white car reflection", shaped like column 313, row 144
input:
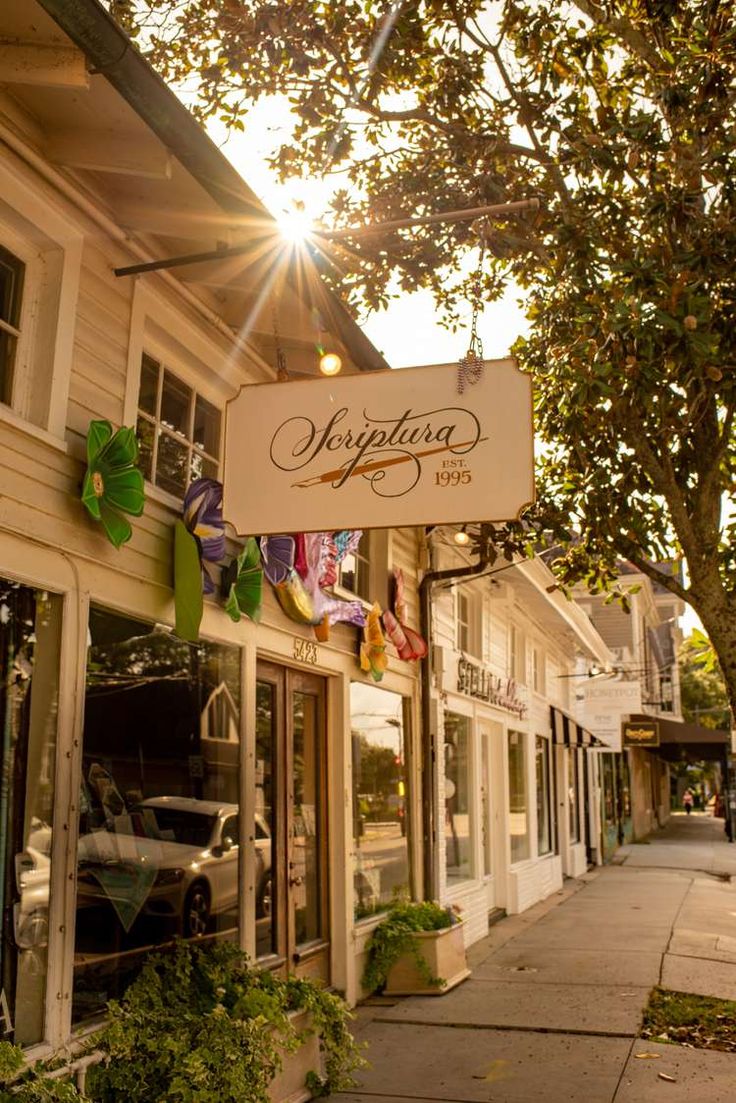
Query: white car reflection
column 168, row 857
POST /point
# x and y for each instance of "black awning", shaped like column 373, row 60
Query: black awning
column 679, row 740
column 566, row 732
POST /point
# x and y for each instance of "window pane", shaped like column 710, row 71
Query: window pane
column 306, row 841
column 8, row 345
column 145, row 433
column 172, row 465
column 148, row 397
column 12, row 271
column 380, row 797
column 207, row 427
column 265, row 823
column 203, row 468
column 355, row 575
column 160, row 760
column 30, row 631
column 572, row 794
column 519, row 819
column 544, row 833
column 458, row 826
column 176, row 402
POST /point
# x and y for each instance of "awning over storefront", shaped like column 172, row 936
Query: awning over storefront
column 566, row 732
column 682, row 742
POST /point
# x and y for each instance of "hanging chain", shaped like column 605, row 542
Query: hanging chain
column 282, row 371
column 470, row 366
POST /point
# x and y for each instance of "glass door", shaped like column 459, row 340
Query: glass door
column 291, row 821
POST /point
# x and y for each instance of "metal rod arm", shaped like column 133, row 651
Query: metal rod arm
column 337, row 235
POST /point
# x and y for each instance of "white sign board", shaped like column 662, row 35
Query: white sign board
column 605, row 704
column 379, row 449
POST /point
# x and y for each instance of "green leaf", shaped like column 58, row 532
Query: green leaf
column 125, row 490
column 98, row 435
column 188, row 598
column 117, row 529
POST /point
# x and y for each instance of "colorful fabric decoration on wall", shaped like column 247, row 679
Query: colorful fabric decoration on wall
column 199, row 540
column 373, row 658
column 113, row 484
column 300, row 594
column 408, row 643
column 188, row 595
column 202, row 515
column 246, row 590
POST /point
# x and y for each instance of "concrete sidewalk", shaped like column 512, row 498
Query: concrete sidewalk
column 553, row 1008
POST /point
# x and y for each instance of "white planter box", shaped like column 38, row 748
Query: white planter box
column 444, row 953
column 288, row 1086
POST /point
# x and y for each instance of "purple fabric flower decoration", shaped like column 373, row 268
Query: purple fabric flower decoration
column 203, row 518
column 277, row 556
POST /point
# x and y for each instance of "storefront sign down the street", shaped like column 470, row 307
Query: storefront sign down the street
column 380, row 449
column 606, row 704
column 480, row 683
column 640, row 733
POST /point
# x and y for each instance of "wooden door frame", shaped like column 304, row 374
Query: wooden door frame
column 286, row 681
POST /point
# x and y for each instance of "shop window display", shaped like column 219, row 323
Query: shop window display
column 518, row 798
column 544, row 824
column 380, row 798
column 30, row 633
column 159, row 835
column 458, row 825
column 573, row 783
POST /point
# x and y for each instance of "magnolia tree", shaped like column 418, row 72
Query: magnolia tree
column 619, row 116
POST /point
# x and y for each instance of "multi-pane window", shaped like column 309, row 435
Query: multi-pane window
column 544, row 823
column 462, row 621
column 378, row 725
column 12, row 272
column 179, row 432
column 354, row 572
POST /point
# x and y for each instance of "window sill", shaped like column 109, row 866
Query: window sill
column 163, row 497
column 15, row 421
column 348, row 595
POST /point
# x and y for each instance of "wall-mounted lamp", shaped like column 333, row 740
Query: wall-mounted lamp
column 462, row 537
column 330, row 363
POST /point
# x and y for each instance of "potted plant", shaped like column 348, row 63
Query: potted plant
column 418, row 949
column 199, row 1024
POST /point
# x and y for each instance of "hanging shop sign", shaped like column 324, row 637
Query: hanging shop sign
column 478, row 682
column 606, row 703
column 640, row 733
column 380, row 449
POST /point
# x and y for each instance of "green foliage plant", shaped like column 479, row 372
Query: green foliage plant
column 199, row 1025
column 21, row 1083
column 394, row 937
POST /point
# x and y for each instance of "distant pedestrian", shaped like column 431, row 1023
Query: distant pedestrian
column 687, row 801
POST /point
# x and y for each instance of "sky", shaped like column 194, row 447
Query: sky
column 408, row 333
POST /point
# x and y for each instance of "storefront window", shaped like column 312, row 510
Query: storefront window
column 30, row 634
column 544, row 824
column 159, row 833
column 458, row 823
column 573, row 794
column 519, row 815
column 380, row 798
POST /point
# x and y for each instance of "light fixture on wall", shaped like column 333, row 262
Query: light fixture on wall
column 330, row 363
column 462, row 537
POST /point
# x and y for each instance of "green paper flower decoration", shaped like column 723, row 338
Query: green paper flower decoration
column 245, row 594
column 113, row 484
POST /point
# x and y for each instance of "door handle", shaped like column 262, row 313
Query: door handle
column 294, row 881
